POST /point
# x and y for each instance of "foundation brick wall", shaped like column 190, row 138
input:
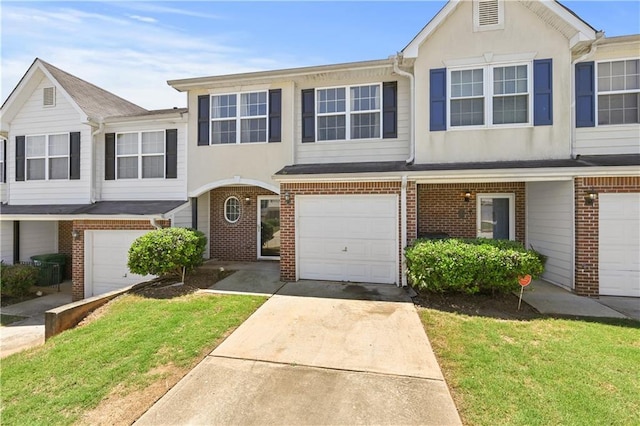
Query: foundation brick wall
column 65, row 244
column 235, row 241
column 587, row 227
column 442, row 208
column 287, row 213
column 77, row 256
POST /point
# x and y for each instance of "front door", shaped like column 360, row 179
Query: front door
column 268, row 227
column 496, row 216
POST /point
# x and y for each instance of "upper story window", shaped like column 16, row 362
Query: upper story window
column 47, row 157
column 349, row 113
column 244, row 114
column 490, row 96
column 618, row 84
column 140, row 155
column 3, row 160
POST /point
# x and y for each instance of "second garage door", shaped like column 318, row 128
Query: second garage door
column 106, row 255
column 619, row 245
column 348, row 238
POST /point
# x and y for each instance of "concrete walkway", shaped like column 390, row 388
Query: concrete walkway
column 29, row 332
column 317, row 353
column 553, row 300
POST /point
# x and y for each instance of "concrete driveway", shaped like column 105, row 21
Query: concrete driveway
column 317, row 353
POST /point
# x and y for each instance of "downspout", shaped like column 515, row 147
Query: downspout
column 403, row 229
column 592, row 50
column 412, row 102
column 94, row 178
column 154, row 223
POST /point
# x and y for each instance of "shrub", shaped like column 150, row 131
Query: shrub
column 470, row 266
column 16, row 280
column 168, row 251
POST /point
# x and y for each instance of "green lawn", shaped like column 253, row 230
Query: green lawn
column 74, row 371
column 539, row 372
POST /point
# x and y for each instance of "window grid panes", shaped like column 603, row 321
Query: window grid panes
column 47, row 157
column 348, row 113
column 619, row 92
column 232, row 209
column 244, row 114
column 510, row 99
column 140, row 155
column 467, row 97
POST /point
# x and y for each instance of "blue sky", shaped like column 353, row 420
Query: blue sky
column 132, row 48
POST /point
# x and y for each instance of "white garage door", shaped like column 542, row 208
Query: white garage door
column 619, row 247
column 348, row 238
column 106, row 254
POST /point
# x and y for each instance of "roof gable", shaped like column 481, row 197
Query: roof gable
column 551, row 11
column 91, row 101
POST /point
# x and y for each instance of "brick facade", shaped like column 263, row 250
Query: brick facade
column 288, row 214
column 65, row 244
column 587, row 228
column 442, row 208
column 235, row 241
column 77, row 286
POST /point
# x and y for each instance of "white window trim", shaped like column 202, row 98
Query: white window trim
column 512, row 211
column 46, row 156
column 611, row 92
column 488, row 96
column 226, row 217
column 140, row 155
column 238, row 119
column 347, row 112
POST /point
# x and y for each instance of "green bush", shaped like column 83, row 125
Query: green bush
column 470, row 266
column 16, row 280
column 168, row 251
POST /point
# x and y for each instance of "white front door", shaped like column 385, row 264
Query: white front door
column 348, row 238
column 496, row 216
column 619, row 244
column 106, row 256
column 268, row 227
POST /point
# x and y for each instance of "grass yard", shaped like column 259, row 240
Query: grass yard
column 538, row 372
column 136, row 343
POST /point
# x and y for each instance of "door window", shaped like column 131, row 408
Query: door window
column 496, row 216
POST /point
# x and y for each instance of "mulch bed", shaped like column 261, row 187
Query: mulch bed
column 168, row 288
column 503, row 306
column 12, row 300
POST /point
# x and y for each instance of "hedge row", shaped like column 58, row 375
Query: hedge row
column 471, row 266
column 16, row 280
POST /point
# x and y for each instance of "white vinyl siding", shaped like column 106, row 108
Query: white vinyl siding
column 38, row 238
column 204, row 220
column 6, row 241
column 550, row 227
column 63, row 118
column 607, row 140
column 144, row 188
column 359, row 150
column 2, row 165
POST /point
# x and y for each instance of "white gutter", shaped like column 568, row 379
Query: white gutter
column 412, row 102
column 592, row 50
column 403, row 229
column 93, row 177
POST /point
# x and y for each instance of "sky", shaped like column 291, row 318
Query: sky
column 131, row 48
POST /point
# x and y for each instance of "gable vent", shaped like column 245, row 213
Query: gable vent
column 49, row 96
column 488, row 13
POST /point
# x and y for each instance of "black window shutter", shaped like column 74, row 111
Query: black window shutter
column 74, row 155
column 203, row 120
column 542, row 92
column 110, row 156
column 585, row 95
column 4, row 161
column 438, row 99
column 171, row 153
column 20, row 158
column 308, row 116
column 390, row 109
column 275, row 115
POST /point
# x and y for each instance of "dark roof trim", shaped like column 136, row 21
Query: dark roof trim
column 401, row 166
column 101, row 208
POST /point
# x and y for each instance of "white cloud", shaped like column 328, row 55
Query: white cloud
column 131, row 57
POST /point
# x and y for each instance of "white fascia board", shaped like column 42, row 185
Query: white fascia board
column 411, row 50
column 274, row 75
column 350, row 177
column 160, row 118
column 585, row 32
column 68, row 217
column 60, row 89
